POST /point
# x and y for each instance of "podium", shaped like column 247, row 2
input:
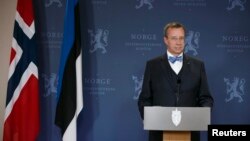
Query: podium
column 176, row 122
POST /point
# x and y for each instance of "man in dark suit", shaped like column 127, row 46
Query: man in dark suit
column 174, row 79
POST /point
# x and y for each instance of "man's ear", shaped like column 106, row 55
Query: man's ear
column 165, row 40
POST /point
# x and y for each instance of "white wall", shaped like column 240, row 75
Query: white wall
column 7, row 15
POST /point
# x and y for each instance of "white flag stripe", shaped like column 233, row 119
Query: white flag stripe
column 70, row 132
column 28, row 30
column 79, row 91
column 16, row 59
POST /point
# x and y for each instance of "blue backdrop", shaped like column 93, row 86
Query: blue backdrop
column 120, row 36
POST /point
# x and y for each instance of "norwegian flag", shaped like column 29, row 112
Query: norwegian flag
column 22, row 113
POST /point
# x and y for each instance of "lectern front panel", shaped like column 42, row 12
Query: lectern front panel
column 176, row 118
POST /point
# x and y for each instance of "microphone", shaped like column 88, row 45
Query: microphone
column 178, row 80
column 178, row 90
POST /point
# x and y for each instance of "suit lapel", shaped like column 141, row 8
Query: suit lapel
column 185, row 70
column 166, row 68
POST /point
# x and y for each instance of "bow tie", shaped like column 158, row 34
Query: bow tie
column 174, row 59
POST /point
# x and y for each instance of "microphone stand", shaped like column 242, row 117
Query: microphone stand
column 178, row 90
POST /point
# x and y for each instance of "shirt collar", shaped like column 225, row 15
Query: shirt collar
column 170, row 54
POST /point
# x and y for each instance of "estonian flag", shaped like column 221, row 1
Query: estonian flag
column 70, row 97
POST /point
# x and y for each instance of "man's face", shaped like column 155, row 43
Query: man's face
column 175, row 40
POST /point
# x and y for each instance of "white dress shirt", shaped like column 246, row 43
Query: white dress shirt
column 176, row 66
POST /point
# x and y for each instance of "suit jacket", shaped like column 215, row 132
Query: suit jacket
column 162, row 87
